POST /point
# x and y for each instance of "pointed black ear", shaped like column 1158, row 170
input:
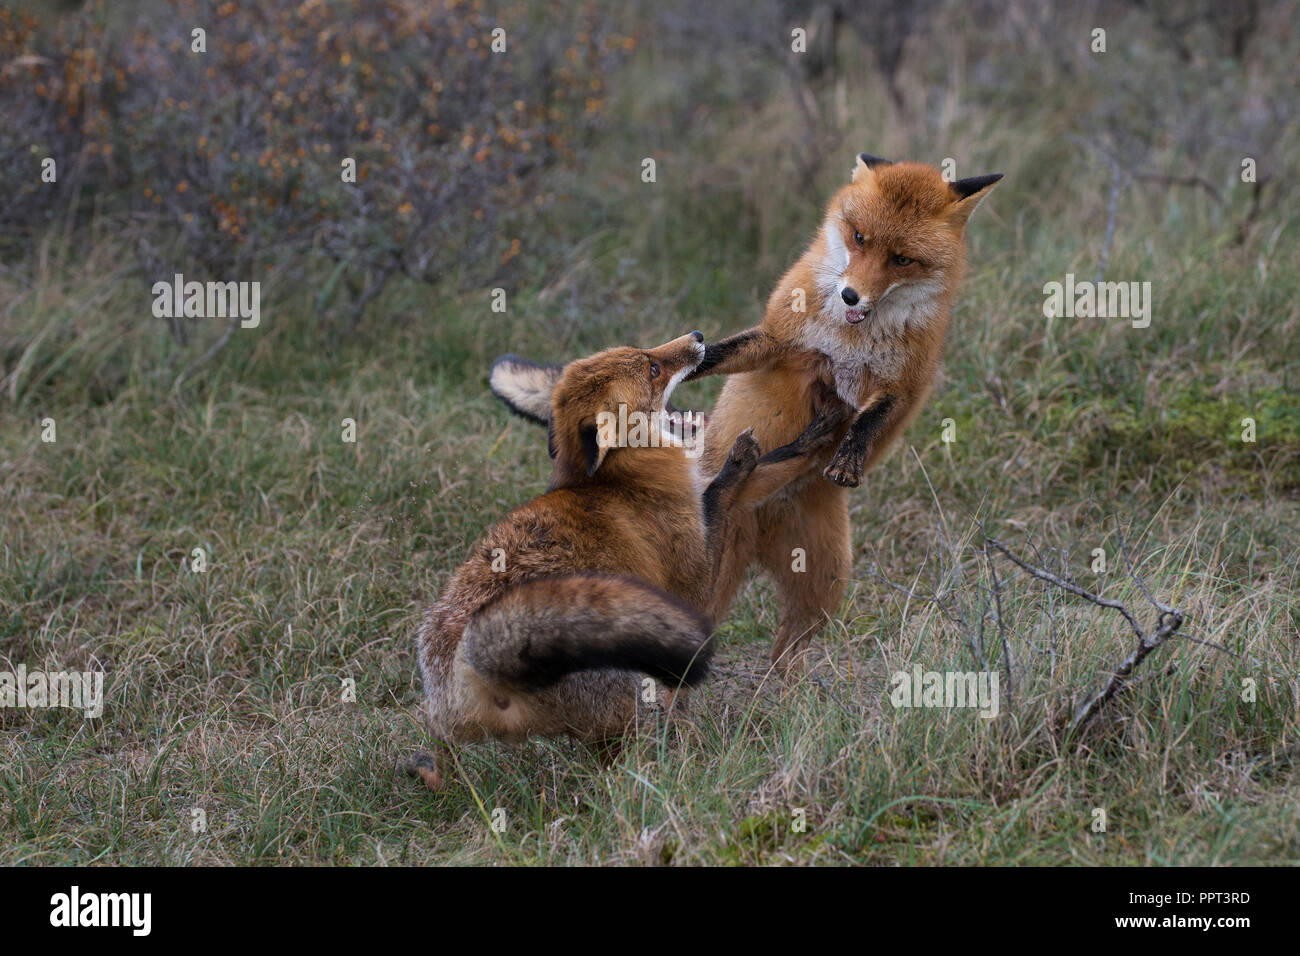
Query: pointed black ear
column 867, row 162
column 969, row 187
column 551, row 448
column 590, row 448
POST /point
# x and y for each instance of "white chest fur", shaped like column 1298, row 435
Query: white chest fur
column 874, row 348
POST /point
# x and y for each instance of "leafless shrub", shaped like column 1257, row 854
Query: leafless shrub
column 229, row 161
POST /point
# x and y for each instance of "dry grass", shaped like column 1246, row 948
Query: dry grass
column 224, row 689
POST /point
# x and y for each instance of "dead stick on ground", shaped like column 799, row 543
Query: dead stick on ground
column 1007, row 661
column 1169, row 622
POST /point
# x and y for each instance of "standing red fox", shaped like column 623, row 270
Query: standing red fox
column 865, row 311
column 876, row 286
column 543, row 629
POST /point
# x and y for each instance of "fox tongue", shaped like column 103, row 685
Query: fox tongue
column 853, row 316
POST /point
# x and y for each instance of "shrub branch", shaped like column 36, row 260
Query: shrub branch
column 1168, row 623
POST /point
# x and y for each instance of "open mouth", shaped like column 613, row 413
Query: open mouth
column 681, row 374
column 854, row 316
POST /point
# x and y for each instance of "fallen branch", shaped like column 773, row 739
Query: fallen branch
column 1168, row 623
column 1002, row 630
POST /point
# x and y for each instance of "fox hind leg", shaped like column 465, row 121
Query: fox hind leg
column 732, row 561
column 431, row 768
column 806, row 549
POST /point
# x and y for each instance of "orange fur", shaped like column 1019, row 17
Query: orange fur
column 543, row 628
column 883, row 365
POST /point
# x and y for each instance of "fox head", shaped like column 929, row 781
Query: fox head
column 891, row 247
column 628, row 384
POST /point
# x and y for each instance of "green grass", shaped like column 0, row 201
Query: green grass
column 224, row 689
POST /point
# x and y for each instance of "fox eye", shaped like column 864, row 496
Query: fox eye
column 654, row 369
column 903, row 261
column 857, row 237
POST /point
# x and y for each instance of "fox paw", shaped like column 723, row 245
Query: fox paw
column 823, row 428
column 424, row 766
column 844, row 471
column 744, row 452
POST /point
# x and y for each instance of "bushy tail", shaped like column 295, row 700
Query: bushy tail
column 544, row 628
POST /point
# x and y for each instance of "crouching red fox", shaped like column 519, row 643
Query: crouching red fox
column 563, row 607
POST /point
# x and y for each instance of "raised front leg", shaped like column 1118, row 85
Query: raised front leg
column 846, row 467
column 746, row 479
column 721, row 492
column 743, row 352
column 783, row 465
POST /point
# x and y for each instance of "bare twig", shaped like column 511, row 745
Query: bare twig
column 1074, row 589
column 1244, row 227
column 375, row 287
column 1132, row 571
column 1169, row 621
column 1002, row 630
column 1196, row 182
column 1116, row 185
column 1210, row 644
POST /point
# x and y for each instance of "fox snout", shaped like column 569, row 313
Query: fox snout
column 857, row 309
column 680, row 357
column 692, row 343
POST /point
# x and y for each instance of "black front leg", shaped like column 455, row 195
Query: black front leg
column 846, row 467
column 740, row 464
column 828, row 417
column 742, row 352
column 746, row 479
